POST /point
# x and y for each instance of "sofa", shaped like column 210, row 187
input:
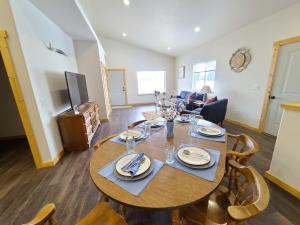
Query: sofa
column 188, row 98
column 214, row 112
column 182, row 97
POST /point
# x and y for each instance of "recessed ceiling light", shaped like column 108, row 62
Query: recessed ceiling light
column 124, row 34
column 169, row 48
column 126, row 2
column 197, row 29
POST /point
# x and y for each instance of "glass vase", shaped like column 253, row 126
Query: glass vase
column 170, row 129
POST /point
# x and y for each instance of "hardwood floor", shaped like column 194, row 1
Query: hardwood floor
column 24, row 189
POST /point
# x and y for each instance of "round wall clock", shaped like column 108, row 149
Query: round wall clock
column 240, row 60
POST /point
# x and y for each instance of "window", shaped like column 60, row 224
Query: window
column 204, row 74
column 150, row 81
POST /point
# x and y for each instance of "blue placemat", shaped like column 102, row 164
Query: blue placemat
column 218, row 139
column 133, row 187
column 207, row 174
column 118, row 140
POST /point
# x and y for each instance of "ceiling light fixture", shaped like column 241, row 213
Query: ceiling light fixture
column 197, row 29
column 126, row 2
column 124, row 34
column 169, row 48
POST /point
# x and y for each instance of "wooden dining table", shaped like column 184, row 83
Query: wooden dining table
column 171, row 188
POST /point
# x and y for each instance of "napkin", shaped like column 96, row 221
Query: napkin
column 132, row 163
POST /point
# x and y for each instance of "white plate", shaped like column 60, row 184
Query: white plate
column 197, row 157
column 157, row 122
column 122, row 162
column 179, row 119
column 205, row 123
column 130, row 133
column 211, row 131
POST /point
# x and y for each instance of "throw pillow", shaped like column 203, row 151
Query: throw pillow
column 192, row 96
column 199, row 96
column 211, row 100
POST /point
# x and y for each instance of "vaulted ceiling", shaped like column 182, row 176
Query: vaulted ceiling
column 160, row 24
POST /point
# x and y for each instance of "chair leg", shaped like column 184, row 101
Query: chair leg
column 104, row 198
column 122, row 209
column 176, row 217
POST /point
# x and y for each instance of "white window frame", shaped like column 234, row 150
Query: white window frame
column 152, row 93
column 205, row 74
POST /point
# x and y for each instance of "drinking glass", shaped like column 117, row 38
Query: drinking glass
column 192, row 128
column 130, row 143
column 169, row 153
column 147, row 129
column 193, row 119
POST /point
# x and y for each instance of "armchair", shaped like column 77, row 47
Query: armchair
column 214, row 112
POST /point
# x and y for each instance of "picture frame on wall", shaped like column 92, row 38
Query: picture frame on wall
column 181, row 72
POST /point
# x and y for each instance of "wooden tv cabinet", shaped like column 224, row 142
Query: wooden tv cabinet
column 77, row 130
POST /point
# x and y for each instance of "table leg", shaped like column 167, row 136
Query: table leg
column 176, row 217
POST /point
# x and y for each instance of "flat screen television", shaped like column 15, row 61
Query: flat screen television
column 77, row 89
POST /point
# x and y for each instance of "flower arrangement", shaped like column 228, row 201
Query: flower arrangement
column 167, row 106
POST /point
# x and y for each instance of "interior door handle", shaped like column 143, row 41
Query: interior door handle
column 123, row 89
column 272, row 97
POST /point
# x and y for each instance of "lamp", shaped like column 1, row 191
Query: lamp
column 205, row 90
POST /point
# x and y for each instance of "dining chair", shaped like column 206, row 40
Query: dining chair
column 102, row 141
column 133, row 125
column 232, row 204
column 243, row 148
column 102, row 214
column 104, row 198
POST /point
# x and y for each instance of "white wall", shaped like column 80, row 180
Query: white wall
column 245, row 90
column 286, row 156
column 10, row 121
column 133, row 59
column 8, row 24
column 45, row 68
column 88, row 60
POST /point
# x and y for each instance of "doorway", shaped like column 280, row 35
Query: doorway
column 11, row 126
column 117, row 88
column 10, row 74
column 285, row 85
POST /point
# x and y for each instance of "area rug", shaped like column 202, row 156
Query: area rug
column 151, row 115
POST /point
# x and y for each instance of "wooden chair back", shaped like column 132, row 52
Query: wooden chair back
column 249, row 194
column 133, row 125
column 101, row 214
column 44, row 215
column 99, row 143
column 244, row 147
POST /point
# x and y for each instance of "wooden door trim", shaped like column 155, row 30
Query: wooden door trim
column 275, row 57
column 19, row 99
column 124, row 78
column 103, row 70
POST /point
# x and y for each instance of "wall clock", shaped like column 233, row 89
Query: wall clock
column 240, row 60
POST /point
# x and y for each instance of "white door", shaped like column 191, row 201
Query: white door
column 116, row 87
column 286, row 86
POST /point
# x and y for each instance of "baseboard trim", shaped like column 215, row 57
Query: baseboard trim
column 290, row 189
column 103, row 119
column 242, row 125
column 141, row 103
column 53, row 162
column 11, row 138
